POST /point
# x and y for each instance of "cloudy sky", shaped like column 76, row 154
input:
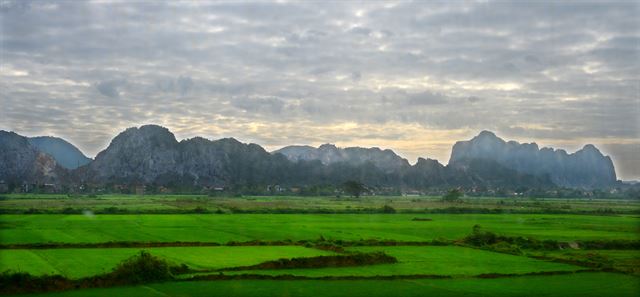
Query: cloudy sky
column 410, row 76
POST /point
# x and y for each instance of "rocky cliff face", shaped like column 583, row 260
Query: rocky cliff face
column 65, row 153
column 136, row 154
column 584, row 168
column 385, row 160
column 20, row 162
column 385, row 166
column 152, row 154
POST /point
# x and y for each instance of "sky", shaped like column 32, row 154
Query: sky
column 410, row 76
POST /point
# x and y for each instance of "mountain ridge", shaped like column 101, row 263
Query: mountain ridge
column 65, row 153
column 20, row 161
column 152, row 154
column 586, row 167
column 386, row 160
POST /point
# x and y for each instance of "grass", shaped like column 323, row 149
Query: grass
column 582, row 284
column 622, row 260
column 433, row 260
column 76, row 263
column 57, row 202
column 460, row 262
column 246, row 227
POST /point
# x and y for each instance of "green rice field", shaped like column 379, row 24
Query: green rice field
column 432, row 254
column 76, row 263
column 434, row 260
column 246, row 227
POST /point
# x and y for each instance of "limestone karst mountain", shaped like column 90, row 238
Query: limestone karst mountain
column 65, row 153
column 21, row 162
column 587, row 167
column 152, row 154
column 385, row 160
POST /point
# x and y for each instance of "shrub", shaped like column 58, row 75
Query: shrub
column 480, row 237
column 32, row 210
column 452, row 196
column 616, row 244
column 180, row 269
column 142, row 268
column 422, row 219
column 20, row 282
column 505, row 247
column 440, row 241
column 113, row 210
column 70, row 210
column 355, row 259
column 200, row 209
column 388, row 209
column 353, row 188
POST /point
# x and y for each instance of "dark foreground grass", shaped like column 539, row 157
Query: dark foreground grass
column 627, row 261
column 582, row 284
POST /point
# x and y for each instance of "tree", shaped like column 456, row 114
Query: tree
column 388, row 209
column 353, row 188
column 452, row 196
column 141, row 268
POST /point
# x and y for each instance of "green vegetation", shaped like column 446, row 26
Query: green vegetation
column 627, row 261
column 453, row 196
column 77, row 263
column 247, row 227
column 138, row 269
column 353, row 188
column 433, row 260
column 582, row 284
column 141, row 268
column 269, row 246
column 351, row 259
column 177, row 204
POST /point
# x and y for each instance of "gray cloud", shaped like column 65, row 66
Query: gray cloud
column 270, row 105
column 564, row 72
column 360, row 31
column 181, row 85
column 426, row 98
column 110, row 88
column 356, row 76
column 473, row 99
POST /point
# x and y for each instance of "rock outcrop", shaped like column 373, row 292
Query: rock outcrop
column 587, row 167
column 65, row 153
column 20, row 162
column 386, row 160
column 151, row 155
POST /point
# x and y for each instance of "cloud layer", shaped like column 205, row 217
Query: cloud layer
column 411, row 76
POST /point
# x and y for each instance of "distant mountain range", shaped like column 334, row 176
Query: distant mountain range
column 585, row 168
column 65, row 153
column 328, row 154
column 21, row 161
column 151, row 155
